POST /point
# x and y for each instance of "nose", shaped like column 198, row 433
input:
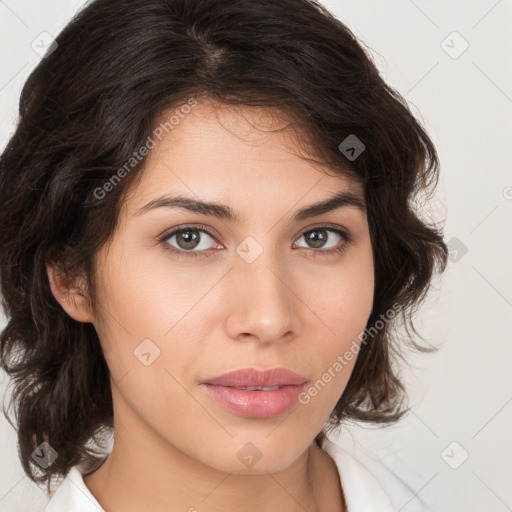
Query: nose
column 262, row 304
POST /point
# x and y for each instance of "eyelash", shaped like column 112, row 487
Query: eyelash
column 345, row 235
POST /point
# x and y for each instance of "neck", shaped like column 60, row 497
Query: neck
column 145, row 472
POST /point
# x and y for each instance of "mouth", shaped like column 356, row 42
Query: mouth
column 255, row 393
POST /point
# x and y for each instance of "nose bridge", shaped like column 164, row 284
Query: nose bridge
column 262, row 297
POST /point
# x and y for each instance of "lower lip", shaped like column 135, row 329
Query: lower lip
column 256, row 404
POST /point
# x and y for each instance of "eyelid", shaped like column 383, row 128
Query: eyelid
column 346, row 233
column 200, row 227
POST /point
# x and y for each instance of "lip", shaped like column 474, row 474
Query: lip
column 256, row 377
column 253, row 403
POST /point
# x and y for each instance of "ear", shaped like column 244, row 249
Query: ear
column 70, row 294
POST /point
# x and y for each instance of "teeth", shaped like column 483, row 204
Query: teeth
column 256, row 388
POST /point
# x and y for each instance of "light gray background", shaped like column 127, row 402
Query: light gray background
column 463, row 393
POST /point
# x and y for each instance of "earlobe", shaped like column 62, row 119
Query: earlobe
column 71, row 297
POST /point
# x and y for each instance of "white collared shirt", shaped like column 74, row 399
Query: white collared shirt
column 361, row 489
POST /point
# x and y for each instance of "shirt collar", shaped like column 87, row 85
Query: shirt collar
column 361, row 490
column 73, row 495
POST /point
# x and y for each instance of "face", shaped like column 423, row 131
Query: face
column 186, row 296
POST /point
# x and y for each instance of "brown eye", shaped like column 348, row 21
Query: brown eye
column 326, row 241
column 188, row 241
column 317, row 238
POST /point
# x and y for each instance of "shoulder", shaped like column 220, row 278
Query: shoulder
column 368, row 484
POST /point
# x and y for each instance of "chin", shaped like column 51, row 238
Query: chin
column 258, row 457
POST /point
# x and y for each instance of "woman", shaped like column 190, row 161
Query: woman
column 208, row 234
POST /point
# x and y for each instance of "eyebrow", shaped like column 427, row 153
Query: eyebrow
column 224, row 212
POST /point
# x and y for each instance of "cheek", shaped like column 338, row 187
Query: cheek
column 150, row 315
column 147, row 295
column 343, row 294
column 342, row 299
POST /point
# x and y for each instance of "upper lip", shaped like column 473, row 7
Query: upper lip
column 256, row 377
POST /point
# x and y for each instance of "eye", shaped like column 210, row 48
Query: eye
column 188, row 240
column 194, row 241
column 327, row 239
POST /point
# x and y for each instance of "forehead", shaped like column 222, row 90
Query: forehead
column 219, row 152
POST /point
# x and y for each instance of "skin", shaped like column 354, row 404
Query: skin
column 214, row 313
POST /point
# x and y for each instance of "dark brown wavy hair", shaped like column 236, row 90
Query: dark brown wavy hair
column 95, row 99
